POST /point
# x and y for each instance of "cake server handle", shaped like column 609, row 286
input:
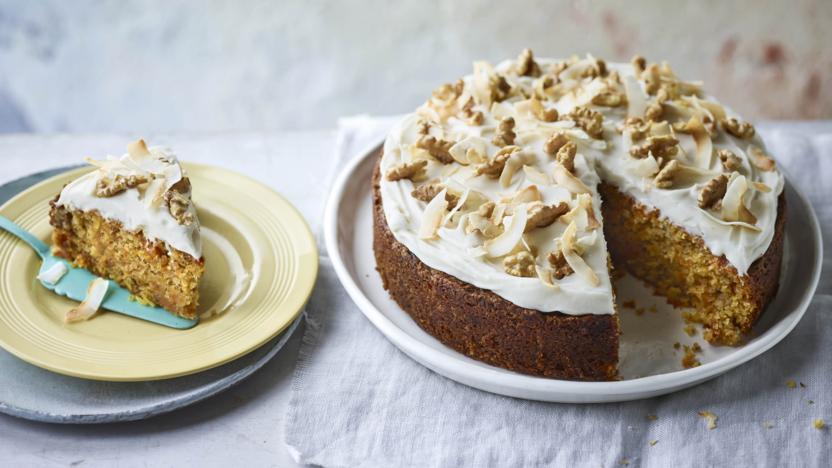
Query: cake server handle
column 40, row 247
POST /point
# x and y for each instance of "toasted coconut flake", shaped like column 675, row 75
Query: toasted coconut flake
column 585, row 201
column 137, row 149
column 565, row 179
column 457, row 207
column 636, row 100
column 760, row 159
column 722, row 222
column 537, row 176
column 53, row 274
column 644, row 167
column 432, row 217
column 760, row 187
column 568, row 246
column 544, row 274
column 527, row 195
column 704, row 146
column 462, row 150
column 733, row 203
column 154, row 193
column 514, row 163
column 96, row 292
column 508, row 240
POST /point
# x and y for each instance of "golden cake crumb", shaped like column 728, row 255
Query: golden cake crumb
column 819, row 424
column 710, row 418
column 653, row 442
column 652, row 417
column 791, row 384
column 690, row 330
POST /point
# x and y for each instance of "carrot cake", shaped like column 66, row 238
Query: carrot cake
column 502, row 204
column 132, row 220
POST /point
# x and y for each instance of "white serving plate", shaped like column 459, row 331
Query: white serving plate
column 650, row 366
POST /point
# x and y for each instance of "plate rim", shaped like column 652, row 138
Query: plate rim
column 199, row 394
column 523, row 386
column 313, row 267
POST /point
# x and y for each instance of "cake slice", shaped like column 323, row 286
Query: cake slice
column 132, row 220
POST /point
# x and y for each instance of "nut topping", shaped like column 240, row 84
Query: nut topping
column 559, row 264
column 107, row 187
column 664, row 179
column 566, row 156
column 592, row 122
column 526, row 66
column 711, row 195
column 660, row 146
column 739, row 129
column 410, row 171
column 730, row 161
column 505, row 132
column 427, row 192
column 555, row 142
column 178, row 200
column 520, row 264
column 439, row 149
column 541, row 215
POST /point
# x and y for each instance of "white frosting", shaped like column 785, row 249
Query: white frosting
column 140, row 208
column 458, row 252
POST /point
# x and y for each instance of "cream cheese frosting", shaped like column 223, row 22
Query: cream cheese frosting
column 146, row 190
column 493, row 137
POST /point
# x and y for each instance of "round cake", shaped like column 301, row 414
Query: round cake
column 503, row 203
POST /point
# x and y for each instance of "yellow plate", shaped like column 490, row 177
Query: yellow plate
column 242, row 221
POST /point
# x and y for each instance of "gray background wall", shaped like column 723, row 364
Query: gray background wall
column 166, row 65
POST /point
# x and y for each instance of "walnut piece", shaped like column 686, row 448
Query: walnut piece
column 664, row 179
column 410, row 171
column 520, row 264
column 636, row 127
column 592, row 122
column 609, row 97
column 555, row 142
column 739, row 129
column 526, row 66
column 660, row 146
column 652, row 78
column 541, row 113
column 561, row 267
column 730, row 161
column 438, row 148
column 474, row 117
column 500, row 88
column 760, row 159
column 566, row 156
column 505, row 132
column 654, row 112
column 107, row 187
column 178, row 200
column 639, row 64
column 494, row 167
column 541, row 215
column 427, row 192
column 712, row 193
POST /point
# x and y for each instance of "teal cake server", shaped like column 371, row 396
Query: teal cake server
column 75, row 282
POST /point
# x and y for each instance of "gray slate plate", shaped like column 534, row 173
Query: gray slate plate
column 30, row 392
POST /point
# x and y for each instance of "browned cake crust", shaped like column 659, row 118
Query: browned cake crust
column 486, row 327
column 148, row 269
column 680, row 267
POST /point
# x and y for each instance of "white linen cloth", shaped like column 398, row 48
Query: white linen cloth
column 358, row 401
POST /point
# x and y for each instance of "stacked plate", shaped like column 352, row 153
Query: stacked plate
column 98, row 371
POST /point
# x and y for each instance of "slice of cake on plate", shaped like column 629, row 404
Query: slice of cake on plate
column 132, row 220
column 501, row 204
